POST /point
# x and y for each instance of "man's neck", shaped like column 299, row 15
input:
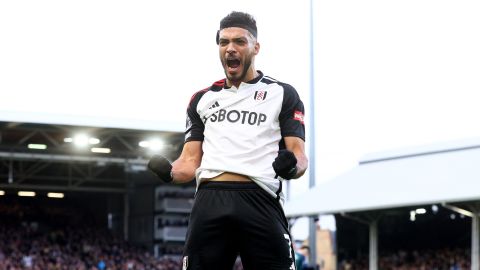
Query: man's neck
column 250, row 76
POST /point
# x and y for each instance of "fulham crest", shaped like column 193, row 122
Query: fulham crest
column 260, row 95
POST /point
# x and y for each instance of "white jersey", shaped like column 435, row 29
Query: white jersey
column 242, row 129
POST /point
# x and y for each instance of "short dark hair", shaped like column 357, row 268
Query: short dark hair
column 239, row 19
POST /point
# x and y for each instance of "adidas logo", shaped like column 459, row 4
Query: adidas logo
column 214, row 105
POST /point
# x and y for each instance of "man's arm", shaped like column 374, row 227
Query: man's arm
column 183, row 169
column 297, row 147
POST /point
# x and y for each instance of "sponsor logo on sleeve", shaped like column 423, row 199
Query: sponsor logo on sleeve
column 298, row 115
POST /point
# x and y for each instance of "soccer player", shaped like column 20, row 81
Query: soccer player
column 244, row 136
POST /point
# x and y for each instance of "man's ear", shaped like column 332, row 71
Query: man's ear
column 257, row 48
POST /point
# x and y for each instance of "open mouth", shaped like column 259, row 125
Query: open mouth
column 233, row 63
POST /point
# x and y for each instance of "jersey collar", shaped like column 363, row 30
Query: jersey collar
column 253, row 81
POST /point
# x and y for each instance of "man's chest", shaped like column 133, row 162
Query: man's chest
column 249, row 108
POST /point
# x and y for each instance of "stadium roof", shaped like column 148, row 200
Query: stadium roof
column 441, row 173
column 61, row 166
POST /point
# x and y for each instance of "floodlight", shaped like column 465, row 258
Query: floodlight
column 152, row 144
column 156, row 145
column 144, row 144
column 80, row 140
column 100, row 150
column 93, row 141
column 412, row 215
column 38, row 146
column 420, row 211
column 55, row 195
column 26, row 194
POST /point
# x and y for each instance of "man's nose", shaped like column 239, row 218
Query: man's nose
column 231, row 49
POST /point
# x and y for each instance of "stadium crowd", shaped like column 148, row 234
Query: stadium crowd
column 431, row 259
column 60, row 238
column 49, row 238
column 72, row 248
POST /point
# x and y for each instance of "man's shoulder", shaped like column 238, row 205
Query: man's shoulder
column 215, row 87
column 285, row 86
column 218, row 85
column 270, row 80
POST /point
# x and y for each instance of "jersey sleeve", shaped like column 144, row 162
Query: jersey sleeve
column 194, row 125
column 292, row 114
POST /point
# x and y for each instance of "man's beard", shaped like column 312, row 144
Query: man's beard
column 242, row 75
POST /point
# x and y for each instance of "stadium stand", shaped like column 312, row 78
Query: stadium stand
column 410, row 200
column 105, row 220
column 42, row 234
column 172, row 207
column 447, row 258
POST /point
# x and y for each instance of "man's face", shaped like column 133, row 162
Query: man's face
column 237, row 48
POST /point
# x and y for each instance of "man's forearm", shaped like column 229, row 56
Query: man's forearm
column 184, row 171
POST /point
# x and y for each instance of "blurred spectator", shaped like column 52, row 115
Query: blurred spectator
column 43, row 237
column 431, row 259
column 36, row 237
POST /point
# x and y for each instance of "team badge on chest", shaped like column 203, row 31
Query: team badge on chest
column 260, row 95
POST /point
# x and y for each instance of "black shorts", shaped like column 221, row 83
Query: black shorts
column 237, row 218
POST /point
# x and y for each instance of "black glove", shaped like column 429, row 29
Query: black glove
column 285, row 164
column 161, row 167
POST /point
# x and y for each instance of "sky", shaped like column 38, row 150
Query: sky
column 386, row 74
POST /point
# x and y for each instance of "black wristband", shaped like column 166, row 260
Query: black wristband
column 290, row 174
column 285, row 164
column 161, row 167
